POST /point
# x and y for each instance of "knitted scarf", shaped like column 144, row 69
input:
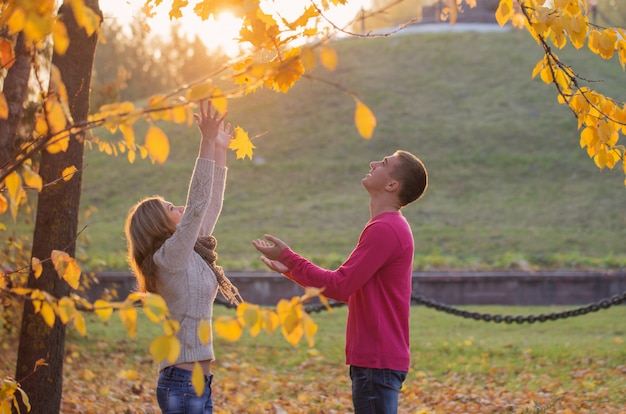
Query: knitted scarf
column 205, row 247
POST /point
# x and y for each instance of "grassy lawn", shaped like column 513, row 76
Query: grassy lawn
column 458, row 366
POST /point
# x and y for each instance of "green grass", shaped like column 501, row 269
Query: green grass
column 509, row 184
column 578, row 359
column 439, row 342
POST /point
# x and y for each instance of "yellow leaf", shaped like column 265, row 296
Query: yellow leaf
column 204, row 331
column 129, row 374
column 241, row 144
column 606, row 43
column 250, row 316
column 157, row 144
column 270, row 321
column 131, row 156
column 36, row 266
column 68, row 173
column 59, row 143
column 32, row 179
column 165, row 347
column 13, row 182
column 180, row 114
column 66, row 309
column 155, row 308
column 85, row 17
column 577, row 30
column 311, row 292
column 364, row 119
column 219, row 101
column 21, row 291
column 56, row 117
column 294, row 334
column 287, row 72
column 61, row 40
column 504, row 12
column 7, row 59
column 4, row 205
column 201, row 91
column 88, row 375
column 308, row 58
column 66, row 267
column 129, row 134
column 290, row 316
column 621, row 52
column 310, row 329
column 228, row 328
column 57, row 85
column 171, row 326
column 546, row 75
column 47, row 313
column 4, row 107
column 103, row 310
column 79, row 323
column 128, row 316
column 328, row 57
column 197, row 379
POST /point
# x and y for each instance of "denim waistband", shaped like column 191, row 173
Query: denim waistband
column 174, row 372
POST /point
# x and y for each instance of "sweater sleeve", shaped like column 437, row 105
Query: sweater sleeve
column 176, row 252
column 216, row 201
column 377, row 245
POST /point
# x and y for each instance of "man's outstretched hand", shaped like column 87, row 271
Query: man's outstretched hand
column 271, row 247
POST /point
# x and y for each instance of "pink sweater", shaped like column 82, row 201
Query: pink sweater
column 376, row 282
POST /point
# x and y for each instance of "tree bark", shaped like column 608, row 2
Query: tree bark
column 15, row 91
column 56, row 228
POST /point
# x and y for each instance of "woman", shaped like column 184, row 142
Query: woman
column 171, row 253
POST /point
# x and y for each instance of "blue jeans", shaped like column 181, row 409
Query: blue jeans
column 175, row 393
column 375, row 391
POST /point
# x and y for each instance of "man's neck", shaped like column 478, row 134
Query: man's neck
column 379, row 208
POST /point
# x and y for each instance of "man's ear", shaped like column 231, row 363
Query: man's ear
column 392, row 186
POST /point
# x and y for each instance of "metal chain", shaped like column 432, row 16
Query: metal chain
column 593, row 307
column 486, row 317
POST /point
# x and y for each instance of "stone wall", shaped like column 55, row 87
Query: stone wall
column 460, row 288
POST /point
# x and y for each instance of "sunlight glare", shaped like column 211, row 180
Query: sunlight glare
column 223, row 31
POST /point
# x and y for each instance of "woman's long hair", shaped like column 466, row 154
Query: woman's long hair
column 147, row 227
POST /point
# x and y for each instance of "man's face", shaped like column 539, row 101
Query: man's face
column 380, row 173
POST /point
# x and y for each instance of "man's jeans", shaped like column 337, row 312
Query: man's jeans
column 175, row 393
column 375, row 391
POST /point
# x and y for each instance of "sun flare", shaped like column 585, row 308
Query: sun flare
column 220, row 32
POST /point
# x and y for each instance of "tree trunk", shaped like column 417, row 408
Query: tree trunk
column 56, row 228
column 15, row 91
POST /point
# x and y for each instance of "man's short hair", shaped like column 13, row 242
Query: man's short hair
column 412, row 175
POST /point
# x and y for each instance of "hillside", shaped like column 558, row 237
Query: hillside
column 509, row 184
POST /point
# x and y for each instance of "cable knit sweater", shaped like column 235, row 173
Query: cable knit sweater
column 184, row 279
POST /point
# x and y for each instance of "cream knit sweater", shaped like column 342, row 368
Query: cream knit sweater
column 184, row 279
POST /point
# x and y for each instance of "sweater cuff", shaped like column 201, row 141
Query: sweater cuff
column 205, row 164
column 219, row 173
column 287, row 257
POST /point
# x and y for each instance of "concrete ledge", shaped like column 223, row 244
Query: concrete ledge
column 454, row 288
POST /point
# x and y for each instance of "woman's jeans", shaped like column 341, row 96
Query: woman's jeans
column 175, row 393
column 375, row 391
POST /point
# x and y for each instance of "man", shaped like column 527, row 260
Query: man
column 375, row 281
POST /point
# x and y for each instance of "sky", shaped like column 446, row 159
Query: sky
column 224, row 29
